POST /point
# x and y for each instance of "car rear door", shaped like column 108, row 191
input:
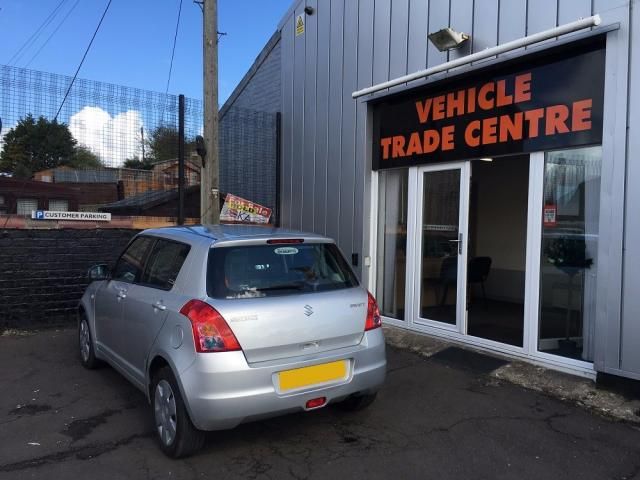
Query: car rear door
column 149, row 302
column 324, row 308
column 112, row 297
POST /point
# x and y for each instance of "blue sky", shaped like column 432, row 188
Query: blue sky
column 133, row 47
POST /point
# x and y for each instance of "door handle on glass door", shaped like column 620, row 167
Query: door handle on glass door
column 159, row 306
column 459, row 242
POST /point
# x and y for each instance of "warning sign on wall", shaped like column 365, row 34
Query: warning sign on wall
column 299, row 25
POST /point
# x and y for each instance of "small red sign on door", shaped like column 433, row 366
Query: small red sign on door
column 549, row 215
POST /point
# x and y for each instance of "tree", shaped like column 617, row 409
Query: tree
column 34, row 145
column 138, row 164
column 163, row 144
column 83, row 157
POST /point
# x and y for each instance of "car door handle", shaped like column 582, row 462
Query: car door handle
column 159, row 306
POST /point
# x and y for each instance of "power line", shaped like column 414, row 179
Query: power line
column 83, row 57
column 52, row 33
column 173, row 52
column 36, row 34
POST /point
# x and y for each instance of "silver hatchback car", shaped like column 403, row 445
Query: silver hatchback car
column 220, row 325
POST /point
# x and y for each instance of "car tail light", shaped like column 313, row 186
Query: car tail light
column 374, row 320
column 278, row 241
column 211, row 333
column 316, row 402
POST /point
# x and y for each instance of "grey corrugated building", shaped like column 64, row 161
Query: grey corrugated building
column 491, row 202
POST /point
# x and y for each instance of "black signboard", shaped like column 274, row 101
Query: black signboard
column 543, row 103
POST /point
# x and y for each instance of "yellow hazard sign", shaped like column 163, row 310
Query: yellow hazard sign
column 299, row 25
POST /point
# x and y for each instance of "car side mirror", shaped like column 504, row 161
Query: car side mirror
column 98, row 272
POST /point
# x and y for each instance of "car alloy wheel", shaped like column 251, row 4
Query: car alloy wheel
column 85, row 341
column 165, row 412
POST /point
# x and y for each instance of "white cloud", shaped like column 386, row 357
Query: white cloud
column 5, row 130
column 114, row 139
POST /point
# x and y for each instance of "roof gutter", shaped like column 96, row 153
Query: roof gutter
column 581, row 24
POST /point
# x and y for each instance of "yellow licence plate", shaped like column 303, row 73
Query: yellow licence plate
column 315, row 375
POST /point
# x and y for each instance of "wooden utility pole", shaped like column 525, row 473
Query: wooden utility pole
column 209, row 180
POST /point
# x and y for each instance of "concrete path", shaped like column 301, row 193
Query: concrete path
column 434, row 419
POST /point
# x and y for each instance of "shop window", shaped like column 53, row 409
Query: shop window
column 59, row 205
column 24, row 206
column 392, row 242
column 569, row 252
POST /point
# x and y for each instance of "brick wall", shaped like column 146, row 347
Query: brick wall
column 43, row 272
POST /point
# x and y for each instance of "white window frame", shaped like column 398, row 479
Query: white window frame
column 26, row 199
column 57, row 209
column 457, row 334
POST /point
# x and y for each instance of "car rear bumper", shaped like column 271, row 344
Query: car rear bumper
column 221, row 390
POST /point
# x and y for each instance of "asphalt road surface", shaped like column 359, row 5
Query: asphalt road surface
column 433, row 419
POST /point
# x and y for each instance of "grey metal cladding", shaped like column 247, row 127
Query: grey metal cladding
column 334, row 160
column 286, row 42
column 363, row 42
column 297, row 139
column 361, row 190
column 322, row 121
column 630, row 355
column 310, row 118
column 416, row 44
column 398, row 38
column 461, row 17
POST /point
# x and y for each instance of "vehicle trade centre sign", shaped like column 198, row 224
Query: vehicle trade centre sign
column 553, row 101
column 75, row 216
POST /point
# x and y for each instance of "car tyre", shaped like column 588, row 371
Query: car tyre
column 176, row 433
column 356, row 402
column 85, row 343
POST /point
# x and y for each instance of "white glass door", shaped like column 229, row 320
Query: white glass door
column 440, row 248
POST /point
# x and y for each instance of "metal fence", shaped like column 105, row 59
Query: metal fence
column 106, row 148
column 114, row 149
column 248, row 148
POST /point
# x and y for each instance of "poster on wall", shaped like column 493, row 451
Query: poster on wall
column 529, row 105
column 238, row 209
column 549, row 216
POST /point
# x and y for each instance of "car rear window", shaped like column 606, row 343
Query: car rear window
column 276, row 269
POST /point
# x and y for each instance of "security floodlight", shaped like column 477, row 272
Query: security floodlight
column 447, row 39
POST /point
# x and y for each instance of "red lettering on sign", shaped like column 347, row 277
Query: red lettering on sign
column 431, row 141
column 385, row 143
column 556, row 118
column 415, row 147
column 510, row 127
column 522, row 90
column 489, row 129
column 581, row 115
column 455, row 103
column 470, row 136
column 423, row 109
column 438, row 107
column 532, row 117
column 398, row 146
column 447, row 137
column 484, row 102
column 502, row 98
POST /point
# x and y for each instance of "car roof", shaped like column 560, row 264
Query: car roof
column 231, row 232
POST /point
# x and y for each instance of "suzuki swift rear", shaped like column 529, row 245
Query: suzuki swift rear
column 257, row 322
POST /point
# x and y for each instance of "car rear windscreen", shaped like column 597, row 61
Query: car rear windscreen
column 276, row 269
